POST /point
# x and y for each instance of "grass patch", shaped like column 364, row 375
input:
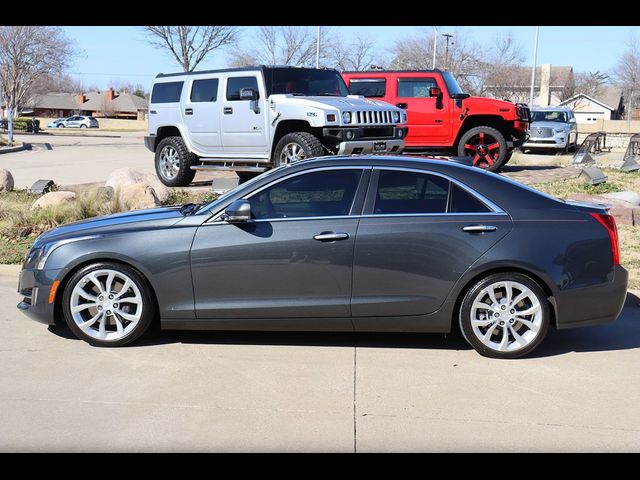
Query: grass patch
column 630, row 253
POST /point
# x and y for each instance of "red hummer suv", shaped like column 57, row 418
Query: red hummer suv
column 441, row 118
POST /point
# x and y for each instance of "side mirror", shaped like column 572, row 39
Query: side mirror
column 248, row 94
column 238, row 211
column 572, row 120
column 435, row 92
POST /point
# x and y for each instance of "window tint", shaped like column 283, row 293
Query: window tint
column 204, row 90
column 368, row 87
column 415, row 87
column 235, row 84
column 409, row 192
column 463, row 202
column 166, row 92
column 318, row 194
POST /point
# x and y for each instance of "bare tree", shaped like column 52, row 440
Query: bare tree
column 356, row 56
column 59, row 84
column 28, row 53
column 626, row 73
column 417, row 53
column 191, row 45
column 277, row 45
column 501, row 73
column 589, row 83
column 129, row 87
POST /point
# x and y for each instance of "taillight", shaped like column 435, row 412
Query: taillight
column 609, row 222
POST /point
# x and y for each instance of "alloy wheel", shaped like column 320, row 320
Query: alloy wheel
column 169, row 162
column 106, row 305
column 292, row 152
column 506, row 316
column 484, row 148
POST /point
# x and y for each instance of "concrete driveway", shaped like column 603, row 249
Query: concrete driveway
column 219, row 391
column 73, row 158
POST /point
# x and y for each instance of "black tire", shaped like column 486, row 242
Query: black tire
column 148, row 306
column 482, row 137
column 184, row 175
column 245, row 176
column 464, row 316
column 83, row 126
column 308, row 142
column 507, row 157
column 60, row 125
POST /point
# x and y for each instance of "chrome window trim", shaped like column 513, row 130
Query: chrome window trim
column 452, row 214
column 484, row 200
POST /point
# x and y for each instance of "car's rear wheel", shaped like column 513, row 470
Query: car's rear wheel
column 296, row 146
column 486, row 146
column 173, row 162
column 60, row 125
column 108, row 304
column 504, row 315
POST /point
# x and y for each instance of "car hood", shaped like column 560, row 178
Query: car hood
column 489, row 104
column 341, row 103
column 104, row 224
column 551, row 125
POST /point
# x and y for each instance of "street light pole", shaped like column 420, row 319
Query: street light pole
column 435, row 44
column 533, row 68
column 318, row 49
column 446, row 50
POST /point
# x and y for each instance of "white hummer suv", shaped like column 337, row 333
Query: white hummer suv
column 251, row 119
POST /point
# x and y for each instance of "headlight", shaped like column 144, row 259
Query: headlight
column 396, row 117
column 38, row 256
column 558, row 131
column 346, row 117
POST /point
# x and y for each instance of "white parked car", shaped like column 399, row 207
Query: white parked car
column 251, row 119
column 552, row 128
column 76, row 121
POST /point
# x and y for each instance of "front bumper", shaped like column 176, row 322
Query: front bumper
column 546, row 142
column 581, row 307
column 390, row 146
column 35, row 286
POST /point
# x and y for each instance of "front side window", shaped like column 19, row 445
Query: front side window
column 168, row 92
column 415, row 87
column 204, row 90
column 327, row 193
column 235, row 84
column 368, row 87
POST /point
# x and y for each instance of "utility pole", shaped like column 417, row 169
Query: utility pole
column 446, row 50
column 318, row 49
column 533, row 68
column 435, row 44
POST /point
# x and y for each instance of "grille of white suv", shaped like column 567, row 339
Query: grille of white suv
column 368, row 117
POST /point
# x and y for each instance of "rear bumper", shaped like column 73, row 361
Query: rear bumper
column 581, row 307
column 35, row 286
column 150, row 143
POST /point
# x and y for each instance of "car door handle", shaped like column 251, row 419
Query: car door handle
column 188, row 111
column 228, row 110
column 331, row 236
column 438, row 121
column 402, row 105
column 479, row 228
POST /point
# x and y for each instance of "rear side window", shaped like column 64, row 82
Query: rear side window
column 368, row 87
column 166, row 92
column 318, row 194
column 204, row 90
column 415, row 87
column 235, row 84
column 409, row 192
column 461, row 201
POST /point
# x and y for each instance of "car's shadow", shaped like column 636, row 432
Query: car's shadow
column 525, row 168
column 624, row 334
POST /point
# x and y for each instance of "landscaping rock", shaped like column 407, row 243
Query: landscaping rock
column 127, row 176
column 138, row 196
column 54, row 199
column 6, row 180
column 630, row 197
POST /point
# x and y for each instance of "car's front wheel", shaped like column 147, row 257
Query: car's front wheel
column 108, row 304
column 486, row 146
column 83, row 126
column 504, row 315
column 173, row 162
column 296, row 146
column 60, row 125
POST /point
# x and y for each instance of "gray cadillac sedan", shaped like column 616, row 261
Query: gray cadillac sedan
column 361, row 243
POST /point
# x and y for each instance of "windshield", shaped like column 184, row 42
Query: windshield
column 549, row 117
column 305, row 81
column 452, row 83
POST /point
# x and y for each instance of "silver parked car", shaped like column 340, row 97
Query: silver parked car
column 76, row 121
column 552, row 128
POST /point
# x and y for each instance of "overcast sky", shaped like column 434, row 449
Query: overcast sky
column 116, row 54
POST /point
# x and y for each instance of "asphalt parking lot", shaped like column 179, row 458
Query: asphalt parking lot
column 229, row 391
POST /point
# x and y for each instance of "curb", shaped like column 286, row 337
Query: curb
column 17, row 148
